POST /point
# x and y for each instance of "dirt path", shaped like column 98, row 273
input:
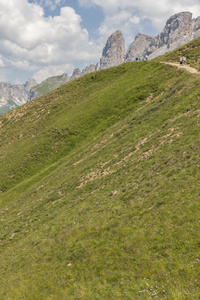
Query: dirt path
column 185, row 67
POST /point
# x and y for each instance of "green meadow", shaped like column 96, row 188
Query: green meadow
column 49, row 84
column 99, row 188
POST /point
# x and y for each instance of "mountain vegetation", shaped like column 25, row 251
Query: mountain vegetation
column 99, row 187
column 189, row 50
column 49, row 84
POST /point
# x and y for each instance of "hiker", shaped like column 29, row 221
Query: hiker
column 184, row 59
column 136, row 59
column 181, row 60
column 146, row 57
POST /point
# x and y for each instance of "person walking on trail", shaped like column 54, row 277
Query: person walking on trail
column 184, row 59
column 181, row 60
column 146, row 57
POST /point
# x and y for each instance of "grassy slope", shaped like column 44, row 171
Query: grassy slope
column 189, row 50
column 43, row 88
column 100, row 194
column 11, row 105
column 49, row 84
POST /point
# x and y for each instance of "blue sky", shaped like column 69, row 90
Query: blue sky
column 43, row 38
column 91, row 16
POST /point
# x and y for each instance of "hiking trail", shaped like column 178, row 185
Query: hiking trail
column 184, row 67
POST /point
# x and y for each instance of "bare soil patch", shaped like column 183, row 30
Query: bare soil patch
column 184, row 67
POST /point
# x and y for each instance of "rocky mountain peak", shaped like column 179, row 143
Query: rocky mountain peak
column 30, row 84
column 76, row 73
column 179, row 30
column 89, row 69
column 137, row 48
column 177, row 26
column 114, row 51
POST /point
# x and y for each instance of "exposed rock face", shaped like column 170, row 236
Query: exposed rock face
column 76, row 73
column 196, row 27
column 114, row 51
column 177, row 27
column 30, row 84
column 13, row 95
column 137, row 48
column 97, row 66
column 179, row 30
column 89, row 69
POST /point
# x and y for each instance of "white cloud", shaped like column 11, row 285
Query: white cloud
column 1, row 63
column 52, row 4
column 32, row 42
column 49, row 70
column 130, row 16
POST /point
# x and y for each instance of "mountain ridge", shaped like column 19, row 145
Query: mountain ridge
column 179, row 30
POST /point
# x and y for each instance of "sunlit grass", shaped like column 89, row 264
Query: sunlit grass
column 190, row 51
column 100, row 188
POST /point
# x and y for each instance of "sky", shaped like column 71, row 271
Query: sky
column 44, row 38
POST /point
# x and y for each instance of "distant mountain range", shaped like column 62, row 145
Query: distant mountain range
column 179, row 29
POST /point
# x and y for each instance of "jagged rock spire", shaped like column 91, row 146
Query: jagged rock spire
column 114, row 51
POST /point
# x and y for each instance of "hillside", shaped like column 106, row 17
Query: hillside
column 190, row 50
column 99, row 184
column 49, row 85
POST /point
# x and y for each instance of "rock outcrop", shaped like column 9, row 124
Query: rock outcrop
column 114, row 51
column 196, row 28
column 138, row 47
column 13, row 95
column 76, row 73
column 89, row 69
column 179, row 30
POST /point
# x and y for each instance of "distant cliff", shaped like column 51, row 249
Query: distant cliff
column 13, row 95
column 179, row 30
column 114, row 51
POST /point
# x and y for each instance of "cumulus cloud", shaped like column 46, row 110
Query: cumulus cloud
column 31, row 41
column 1, row 63
column 47, row 46
column 133, row 16
column 49, row 70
